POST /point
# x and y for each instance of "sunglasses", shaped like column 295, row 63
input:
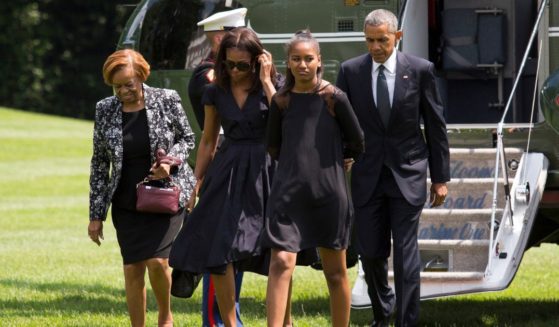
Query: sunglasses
column 242, row 66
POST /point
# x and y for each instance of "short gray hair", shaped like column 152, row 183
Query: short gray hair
column 382, row 16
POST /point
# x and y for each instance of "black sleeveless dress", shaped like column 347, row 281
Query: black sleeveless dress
column 140, row 235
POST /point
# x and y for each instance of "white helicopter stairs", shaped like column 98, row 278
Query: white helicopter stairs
column 455, row 244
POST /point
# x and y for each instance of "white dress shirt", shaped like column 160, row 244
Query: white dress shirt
column 389, row 73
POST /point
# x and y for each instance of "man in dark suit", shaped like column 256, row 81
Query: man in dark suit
column 392, row 93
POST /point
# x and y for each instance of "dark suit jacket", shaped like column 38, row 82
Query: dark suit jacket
column 401, row 145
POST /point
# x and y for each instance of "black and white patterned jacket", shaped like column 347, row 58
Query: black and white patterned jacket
column 168, row 130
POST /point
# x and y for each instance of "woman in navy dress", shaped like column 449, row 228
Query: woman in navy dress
column 314, row 133
column 222, row 233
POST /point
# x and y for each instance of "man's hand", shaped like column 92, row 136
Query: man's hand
column 438, row 194
column 95, row 231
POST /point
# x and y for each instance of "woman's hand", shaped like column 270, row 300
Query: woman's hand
column 95, row 231
column 265, row 61
column 192, row 200
column 159, row 171
column 348, row 163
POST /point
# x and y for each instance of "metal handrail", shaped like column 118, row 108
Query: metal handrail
column 402, row 15
column 534, row 96
column 500, row 147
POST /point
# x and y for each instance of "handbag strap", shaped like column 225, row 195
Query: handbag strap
column 168, row 180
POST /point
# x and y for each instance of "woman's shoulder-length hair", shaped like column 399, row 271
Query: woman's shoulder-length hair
column 243, row 39
column 125, row 58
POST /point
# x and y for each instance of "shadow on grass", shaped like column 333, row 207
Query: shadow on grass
column 45, row 299
column 466, row 312
column 38, row 298
column 438, row 313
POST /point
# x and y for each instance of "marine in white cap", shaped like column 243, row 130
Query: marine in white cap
column 224, row 20
column 215, row 27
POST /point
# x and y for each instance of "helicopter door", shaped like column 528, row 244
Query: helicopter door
column 473, row 50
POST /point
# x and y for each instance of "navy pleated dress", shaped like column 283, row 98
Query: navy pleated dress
column 226, row 224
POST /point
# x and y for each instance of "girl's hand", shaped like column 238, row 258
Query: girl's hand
column 191, row 201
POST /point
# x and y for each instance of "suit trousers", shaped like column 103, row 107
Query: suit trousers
column 388, row 214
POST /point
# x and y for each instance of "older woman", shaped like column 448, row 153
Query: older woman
column 129, row 128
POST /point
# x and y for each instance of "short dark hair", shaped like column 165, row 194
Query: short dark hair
column 382, row 16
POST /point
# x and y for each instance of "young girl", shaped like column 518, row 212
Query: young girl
column 314, row 134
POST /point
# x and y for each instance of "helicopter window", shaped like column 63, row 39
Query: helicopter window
column 473, row 53
column 384, row 4
column 460, row 30
column 170, row 38
column 345, row 25
column 167, row 32
column 374, row 2
column 473, row 39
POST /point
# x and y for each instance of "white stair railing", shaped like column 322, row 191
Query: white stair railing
column 500, row 153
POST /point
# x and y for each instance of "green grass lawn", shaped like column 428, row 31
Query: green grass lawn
column 53, row 275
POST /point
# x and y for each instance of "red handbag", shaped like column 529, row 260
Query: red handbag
column 159, row 196
column 154, row 198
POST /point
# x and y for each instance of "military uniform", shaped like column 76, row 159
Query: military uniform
column 201, row 77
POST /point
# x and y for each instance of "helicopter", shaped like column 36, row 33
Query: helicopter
column 497, row 68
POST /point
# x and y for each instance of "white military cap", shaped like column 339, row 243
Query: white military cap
column 224, row 20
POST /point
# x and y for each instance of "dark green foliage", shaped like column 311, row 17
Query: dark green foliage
column 52, row 52
column 167, row 25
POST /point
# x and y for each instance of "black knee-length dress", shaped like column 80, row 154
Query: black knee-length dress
column 140, row 235
column 309, row 204
column 226, row 224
